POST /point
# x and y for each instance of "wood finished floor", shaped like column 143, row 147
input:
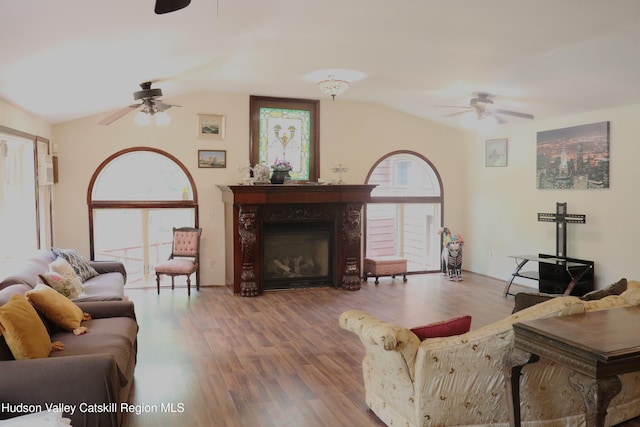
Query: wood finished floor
column 280, row 359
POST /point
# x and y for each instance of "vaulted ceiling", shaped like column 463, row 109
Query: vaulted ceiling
column 67, row 59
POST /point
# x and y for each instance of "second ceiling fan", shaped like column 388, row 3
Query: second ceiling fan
column 482, row 105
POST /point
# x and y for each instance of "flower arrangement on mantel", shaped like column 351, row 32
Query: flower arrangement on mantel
column 281, row 166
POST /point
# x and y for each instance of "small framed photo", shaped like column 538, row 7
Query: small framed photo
column 210, row 126
column 212, row 158
column 495, row 153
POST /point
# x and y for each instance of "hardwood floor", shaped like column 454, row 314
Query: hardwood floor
column 280, row 359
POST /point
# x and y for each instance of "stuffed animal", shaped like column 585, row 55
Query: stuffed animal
column 451, row 254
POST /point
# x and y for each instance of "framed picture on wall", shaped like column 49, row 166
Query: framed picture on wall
column 211, row 126
column 286, row 130
column 212, row 158
column 576, row 157
column 495, row 152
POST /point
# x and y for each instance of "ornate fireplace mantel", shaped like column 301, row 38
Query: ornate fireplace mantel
column 247, row 207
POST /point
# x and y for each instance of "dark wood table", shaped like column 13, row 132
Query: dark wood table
column 597, row 347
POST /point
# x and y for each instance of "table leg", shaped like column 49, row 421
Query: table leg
column 575, row 280
column 512, row 365
column 514, row 274
column 597, row 394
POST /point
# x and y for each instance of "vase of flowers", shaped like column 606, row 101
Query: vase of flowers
column 281, row 171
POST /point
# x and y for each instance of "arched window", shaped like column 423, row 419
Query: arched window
column 405, row 211
column 135, row 198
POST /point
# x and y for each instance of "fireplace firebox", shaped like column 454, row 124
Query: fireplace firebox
column 297, row 255
column 289, row 236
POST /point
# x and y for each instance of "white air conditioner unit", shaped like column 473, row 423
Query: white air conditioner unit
column 45, row 169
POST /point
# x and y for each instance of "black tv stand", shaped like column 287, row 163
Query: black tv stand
column 556, row 275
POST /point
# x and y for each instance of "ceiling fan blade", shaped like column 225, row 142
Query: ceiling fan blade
column 453, row 106
column 115, row 116
column 514, row 113
column 459, row 112
column 166, row 6
column 499, row 119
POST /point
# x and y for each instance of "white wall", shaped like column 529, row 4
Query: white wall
column 502, row 203
column 357, row 134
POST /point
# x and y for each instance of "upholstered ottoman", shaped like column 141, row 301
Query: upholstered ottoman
column 384, row 266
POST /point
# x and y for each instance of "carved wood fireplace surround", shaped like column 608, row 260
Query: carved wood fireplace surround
column 249, row 209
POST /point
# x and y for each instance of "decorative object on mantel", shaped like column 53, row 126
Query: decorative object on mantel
column 258, row 174
column 575, row 157
column 281, row 171
column 333, row 87
column 246, row 171
column 339, row 169
column 261, row 173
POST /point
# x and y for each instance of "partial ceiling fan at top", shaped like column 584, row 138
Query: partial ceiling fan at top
column 482, row 105
column 167, row 6
column 150, row 106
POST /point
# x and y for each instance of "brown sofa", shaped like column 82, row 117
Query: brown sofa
column 93, row 374
column 106, row 286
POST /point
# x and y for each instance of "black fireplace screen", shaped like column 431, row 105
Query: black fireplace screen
column 297, row 255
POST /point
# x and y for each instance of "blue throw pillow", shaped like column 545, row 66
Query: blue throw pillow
column 79, row 263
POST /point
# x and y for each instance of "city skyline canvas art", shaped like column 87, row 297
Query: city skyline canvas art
column 573, row 158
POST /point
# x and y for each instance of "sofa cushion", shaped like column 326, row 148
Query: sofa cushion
column 447, row 328
column 57, row 308
column 113, row 335
column 23, row 330
column 104, row 287
column 614, row 289
column 79, row 263
column 524, row 300
column 60, row 284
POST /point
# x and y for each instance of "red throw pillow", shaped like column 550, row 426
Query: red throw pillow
column 447, row 328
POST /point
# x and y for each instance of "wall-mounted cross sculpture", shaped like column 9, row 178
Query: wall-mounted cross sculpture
column 562, row 218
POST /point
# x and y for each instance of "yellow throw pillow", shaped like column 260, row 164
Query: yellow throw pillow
column 23, row 330
column 57, row 308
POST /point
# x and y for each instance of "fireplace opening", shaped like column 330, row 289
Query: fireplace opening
column 297, row 255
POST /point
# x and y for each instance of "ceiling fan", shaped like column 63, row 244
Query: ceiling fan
column 482, row 105
column 149, row 104
column 166, row 6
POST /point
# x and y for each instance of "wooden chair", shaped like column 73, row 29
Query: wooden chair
column 184, row 259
